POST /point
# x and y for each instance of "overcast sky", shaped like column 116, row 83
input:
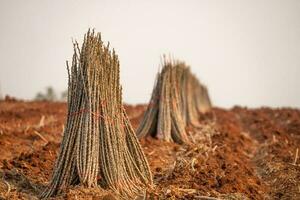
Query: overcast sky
column 246, row 51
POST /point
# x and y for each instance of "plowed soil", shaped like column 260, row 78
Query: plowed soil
column 237, row 154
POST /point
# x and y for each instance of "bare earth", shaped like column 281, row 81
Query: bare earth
column 238, row 154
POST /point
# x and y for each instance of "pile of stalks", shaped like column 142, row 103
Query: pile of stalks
column 178, row 99
column 99, row 146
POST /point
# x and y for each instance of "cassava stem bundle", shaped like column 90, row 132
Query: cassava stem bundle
column 99, row 146
column 177, row 100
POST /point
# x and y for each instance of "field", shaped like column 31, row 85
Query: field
column 238, row 153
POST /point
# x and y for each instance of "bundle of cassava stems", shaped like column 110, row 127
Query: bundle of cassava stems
column 98, row 139
column 177, row 100
column 99, row 145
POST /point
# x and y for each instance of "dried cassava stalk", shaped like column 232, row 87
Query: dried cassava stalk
column 99, row 146
column 177, row 100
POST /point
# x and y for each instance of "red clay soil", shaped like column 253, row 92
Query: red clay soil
column 237, row 154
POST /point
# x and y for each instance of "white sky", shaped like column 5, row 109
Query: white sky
column 246, row 51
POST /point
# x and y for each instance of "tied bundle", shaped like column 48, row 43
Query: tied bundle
column 99, row 146
column 177, row 100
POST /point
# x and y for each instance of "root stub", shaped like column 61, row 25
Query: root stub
column 98, row 139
